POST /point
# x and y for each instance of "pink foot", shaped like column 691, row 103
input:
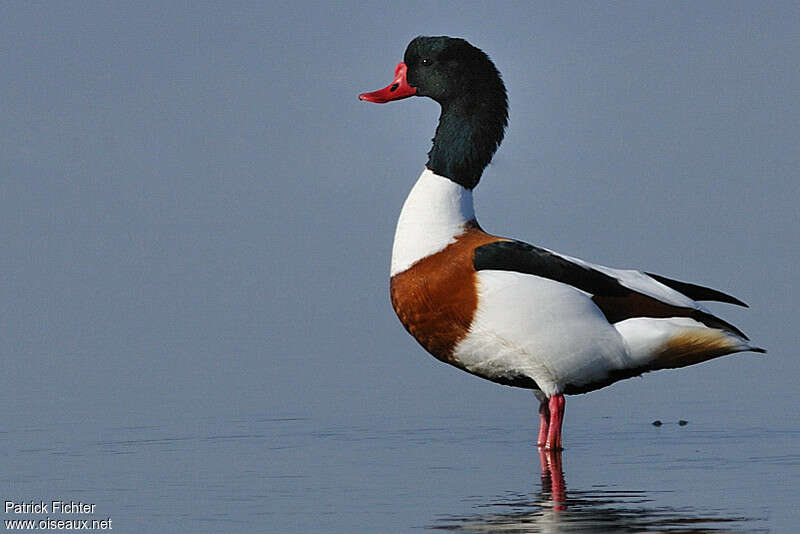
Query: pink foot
column 556, row 408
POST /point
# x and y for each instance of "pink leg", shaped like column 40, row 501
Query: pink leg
column 544, row 423
column 556, row 420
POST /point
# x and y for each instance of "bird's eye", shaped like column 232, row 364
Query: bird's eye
column 426, row 61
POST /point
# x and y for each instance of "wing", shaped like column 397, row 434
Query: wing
column 696, row 292
column 620, row 294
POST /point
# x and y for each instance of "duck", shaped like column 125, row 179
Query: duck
column 507, row 311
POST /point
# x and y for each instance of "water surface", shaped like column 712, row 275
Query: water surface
column 258, row 472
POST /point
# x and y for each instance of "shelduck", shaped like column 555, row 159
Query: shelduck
column 507, row 311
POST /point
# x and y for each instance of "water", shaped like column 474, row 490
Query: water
column 258, row 472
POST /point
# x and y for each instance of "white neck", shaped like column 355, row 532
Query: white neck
column 434, row 213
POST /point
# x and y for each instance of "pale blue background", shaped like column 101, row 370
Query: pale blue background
column 196, row 213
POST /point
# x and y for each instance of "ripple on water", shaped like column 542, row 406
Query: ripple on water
column 600, row 510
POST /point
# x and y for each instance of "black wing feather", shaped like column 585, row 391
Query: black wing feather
column 524, row 258
column 696, row 292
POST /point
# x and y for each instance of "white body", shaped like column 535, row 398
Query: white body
column 528, row 325
column 546, row 330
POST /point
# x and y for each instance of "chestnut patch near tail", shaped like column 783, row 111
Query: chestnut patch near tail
column 693, row 346
column 436, row 298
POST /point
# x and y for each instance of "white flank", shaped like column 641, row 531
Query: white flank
column 433, row 215
column 536, row 327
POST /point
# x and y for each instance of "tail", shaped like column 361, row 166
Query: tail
column 677, row 342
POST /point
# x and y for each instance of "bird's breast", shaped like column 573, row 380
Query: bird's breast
column 436, row 298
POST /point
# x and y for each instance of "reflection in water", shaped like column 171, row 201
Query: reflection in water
column 553, row 479
column 596, row 510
